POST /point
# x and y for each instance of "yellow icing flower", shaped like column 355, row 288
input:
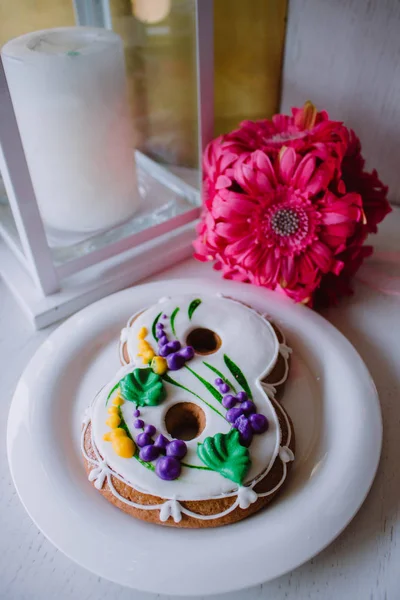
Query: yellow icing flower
column 159, row 365
column 142, row 333
column 113, row 421
column 118, row 401
column 121, row 443
column 145, row 350
column 117, row 432
column 124, row 446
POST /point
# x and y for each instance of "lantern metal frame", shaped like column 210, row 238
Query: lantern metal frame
column 47, row 291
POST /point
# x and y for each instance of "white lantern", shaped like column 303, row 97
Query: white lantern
column 65, row 247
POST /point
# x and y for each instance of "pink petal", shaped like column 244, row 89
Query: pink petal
column 269, row 268
column 288, row 269
column 263, row 184
column 308, row 271
column 287, row 163
column 240, row 246
column 239, row 172
column 321, row 255
column 229, row 230
column 226, row 160
column 341, row 230
column 320, row 179
column 332, row 218
column 263, row 163
column 304, row 171
column 222, row 182
column 223, row 210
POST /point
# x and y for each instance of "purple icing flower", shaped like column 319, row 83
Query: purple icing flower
column 248, row 407
column 169, row 347
column 242, row 396
column 138, row 424
column 150, row 429
column 187, row 352
column 168, row 468
column 229, row 401
column 175, row 361
column 224, row 388
column 177, row 448
column 233, row 414
column 165, row 316
column 218, row 381
column 161, row 442
column 163, row 351
column 143, row 439
column 242, row 424
column 162, row 341
column 259, row 423
column 149, row 453
column 136, row 413
column 174, row 346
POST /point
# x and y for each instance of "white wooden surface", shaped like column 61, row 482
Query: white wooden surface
column 362, row 564
column 343, row 55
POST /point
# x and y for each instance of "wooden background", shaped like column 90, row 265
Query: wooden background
column 344, row 55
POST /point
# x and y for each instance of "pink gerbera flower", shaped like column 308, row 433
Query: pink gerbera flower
column 284, row 228
column 288, row 205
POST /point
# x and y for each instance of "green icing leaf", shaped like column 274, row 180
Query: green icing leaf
column 225, row 379
column 111, row 392
column 238, row 375
column 169, row 379
column 192, row 307
column 217, row 395
column 224, row 453
column 153, row 327
column 172, row 320
column 143, row 387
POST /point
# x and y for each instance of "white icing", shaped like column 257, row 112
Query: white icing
column 246, row 496
column 285, row 454
column 269, row 389
column 285, row 351
column 124, row 335
column 173, row 509
column 249, row 340
column 99, row 474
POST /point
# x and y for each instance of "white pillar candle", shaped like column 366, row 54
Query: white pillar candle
column 69, row 94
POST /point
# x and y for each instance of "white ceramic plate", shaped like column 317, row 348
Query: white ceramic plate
column 330, row 397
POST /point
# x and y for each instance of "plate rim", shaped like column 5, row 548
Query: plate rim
column 215, row 286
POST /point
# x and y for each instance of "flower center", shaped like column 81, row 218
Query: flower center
column 290, row 226
column 285, row 222
column 284, row 136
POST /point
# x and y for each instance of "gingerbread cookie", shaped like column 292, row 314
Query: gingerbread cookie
column 189, row 432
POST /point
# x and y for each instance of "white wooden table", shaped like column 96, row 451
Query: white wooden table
column 362, row 564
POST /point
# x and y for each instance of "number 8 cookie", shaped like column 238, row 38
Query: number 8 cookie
column 189, row 432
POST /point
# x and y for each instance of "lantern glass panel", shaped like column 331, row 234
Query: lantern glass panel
column 159, row 38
